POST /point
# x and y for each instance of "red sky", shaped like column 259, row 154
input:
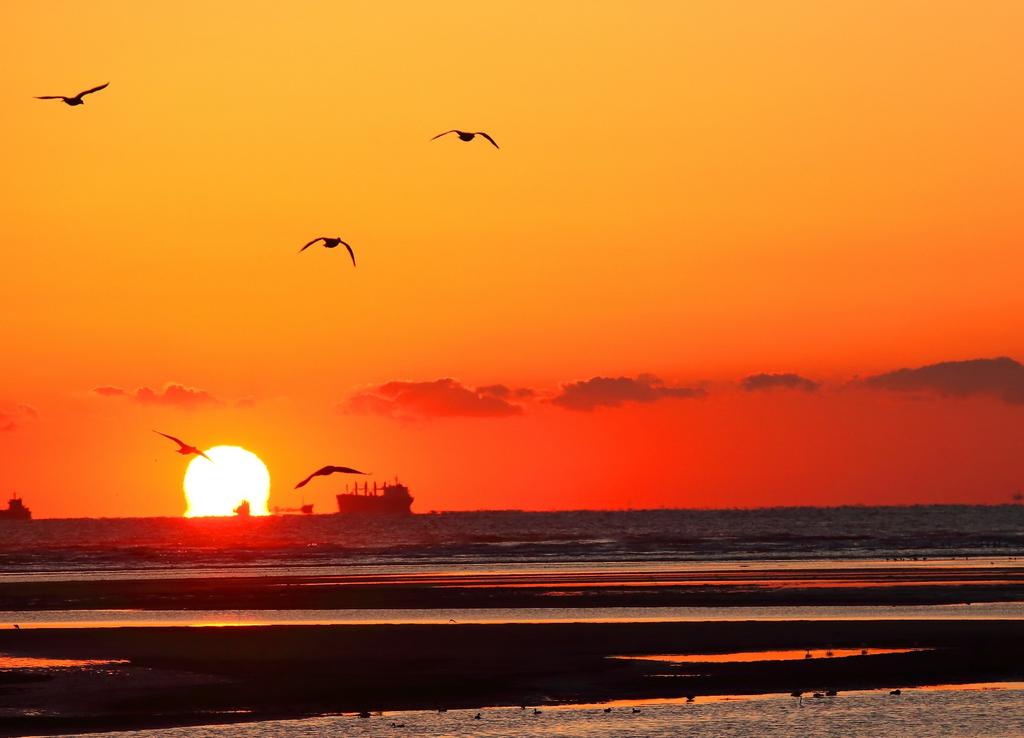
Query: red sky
column 695, row 192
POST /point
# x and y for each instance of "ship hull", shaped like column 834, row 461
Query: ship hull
column 374, row 505
column 23, row 514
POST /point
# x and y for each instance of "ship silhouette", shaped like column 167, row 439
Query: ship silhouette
column 305, row 509
column 389, row 499
column 16, row 510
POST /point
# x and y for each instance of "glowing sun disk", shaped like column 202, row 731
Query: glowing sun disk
column 217, row 487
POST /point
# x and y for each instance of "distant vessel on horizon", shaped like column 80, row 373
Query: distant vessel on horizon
column 305, row 509
column 389, row 499
column 16, row 510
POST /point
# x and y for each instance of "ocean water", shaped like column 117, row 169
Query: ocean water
column 453, row 540
column 989, row 712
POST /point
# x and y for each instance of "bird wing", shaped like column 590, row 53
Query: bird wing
column 481, row 133
column 92, row 90
column 318, row 238
column 350, row 252
column 444, row 134
column 49, row 97
column 204, row 456
column 324, row 471
column 176, row 440
column 339, row 470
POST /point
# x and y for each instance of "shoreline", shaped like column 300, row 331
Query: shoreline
column 189, row 676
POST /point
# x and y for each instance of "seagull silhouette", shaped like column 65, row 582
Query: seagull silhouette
column 76, row 100
column 331, row 243
column 468, row 136
column 183, row 448
column 328, row 470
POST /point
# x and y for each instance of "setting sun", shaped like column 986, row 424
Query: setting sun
column 217, row 487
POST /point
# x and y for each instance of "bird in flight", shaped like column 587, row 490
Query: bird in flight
column 468, row 136
column 76, row 100
column 326, row 471
column 183, row 448
column 331, row 243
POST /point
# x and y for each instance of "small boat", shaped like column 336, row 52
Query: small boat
column 16, row 510
column 304, row 509
column 242, row 510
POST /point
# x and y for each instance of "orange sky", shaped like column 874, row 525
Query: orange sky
column 698, row 191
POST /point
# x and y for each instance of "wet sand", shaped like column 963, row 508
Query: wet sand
column 181, row 676
column 748, row 586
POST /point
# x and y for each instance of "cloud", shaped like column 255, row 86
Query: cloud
column 505, row 393
column 442, row 398
column 788, row 380
column 173, row 395
column 614, row 391
column 13, row 417
column 1001, row 377
column 110, row 392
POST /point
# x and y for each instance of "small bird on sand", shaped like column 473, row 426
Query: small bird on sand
column 183, row 448
column 896, row 692
column 607, row 709
column 477, row 716
column 330, row 243
column 323, row 472
column 76, row 100
column 536, row 711
column 467, row 136
column 636, row 710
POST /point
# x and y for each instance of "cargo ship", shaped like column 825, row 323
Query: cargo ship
column 389, row 499
column 16, row 510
